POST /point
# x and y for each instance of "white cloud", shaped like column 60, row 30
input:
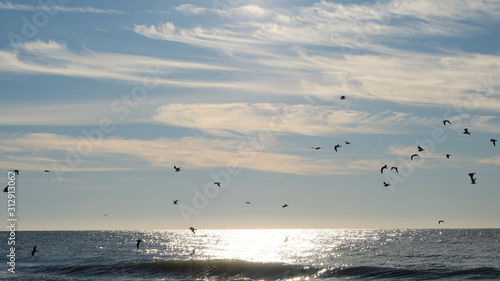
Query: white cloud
column 495, row 160
column 190, row 9
column 57, row 8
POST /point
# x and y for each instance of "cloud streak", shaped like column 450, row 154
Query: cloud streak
column 57, row 8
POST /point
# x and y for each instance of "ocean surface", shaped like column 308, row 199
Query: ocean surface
column 403, row 254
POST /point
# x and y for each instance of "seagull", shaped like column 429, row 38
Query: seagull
column 192, row 229
column 472, row 179
column 413, row 155
column 105, row 215
column 138, row 242
column 337, row 146
column 175, row 202
column 47, row 171
column 284, row 206
column 342, row 97
column 446, row 121
column 420, row 149
column 382, row 169
column 494, row 141
column 217, row 183
column 441, row 221
column 316, row 148
column 34, row 250
column 6, row 189
column 177, row 169
column 386, row 184
column 193, row 252
column 346, row 142
column 466, row 132
column 448, row 156
column 17, row 172
column 248, row 202
column 395, row 168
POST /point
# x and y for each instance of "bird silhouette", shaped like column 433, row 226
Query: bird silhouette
column 448, row 156
column 346, row 142
column 441, row 221
column 46, row 171
column 472, row 179
column 386, row 184
column 175, row 202
column 343, row 97
column 284, row 206
column 6, row 189
column 17, row 172
column 217, row 183
column 316, row 147
column 466, row 132
column 337, row 147
column 138, row 243
column 494, row 142
column 395, row 168
column 192, row 229
column 420, row 149
column 177, row 169
column 383, row 168
column 248, row 202
column 446, row 121
column 105, row 215
column 414, row 155
column 34, row 250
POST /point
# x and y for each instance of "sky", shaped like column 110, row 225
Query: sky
column 110, row 95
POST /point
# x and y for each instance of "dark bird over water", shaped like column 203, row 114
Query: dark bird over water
column 175, row 202
column 192, row 229
column 441, row 221
column 466, row 132
column 138, row 243
column 17, row 172
column 337, row 147
column 217, row 183
column 386, row 184
column 383, row 168
column 448, row 156
column 472, row 179
column 446, row 121
column 177, row 169
column 494, row 142
column 420, row 149
column 34, row 250
column 342, row 97
column 6, row 189
column 414, row 155
column 395, row 168
column 284, row 206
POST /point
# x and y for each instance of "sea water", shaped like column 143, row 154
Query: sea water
column 399, row 254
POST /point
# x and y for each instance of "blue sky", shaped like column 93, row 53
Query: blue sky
column 109, row 96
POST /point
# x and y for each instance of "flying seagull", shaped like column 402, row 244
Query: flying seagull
column 177, row 169
column 494, row 141
column 446, row 121
column 316, row 147
column 395, row 168
column 336, row 147
column 284, row 206
column 413, row 155
column 17, row 172
column 138, row 242
column 105, row 215
column 6, row 189
column 466, row 131
column 346, row 142
column 420, row 149
column 46, row 171
column 248, row 202
column 386, row 184
column 441, row 221
column 472, row 179
column 382, row 169
column 193, row 252
column 217, row 183
column 192, row 229
column 342, row 97
column 175, row 202
column 34, row 250
column 448, row 156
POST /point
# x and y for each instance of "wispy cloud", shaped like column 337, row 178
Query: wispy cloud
column 57, row 8
column 495, row 160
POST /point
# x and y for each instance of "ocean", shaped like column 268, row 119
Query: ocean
column 397, row 254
